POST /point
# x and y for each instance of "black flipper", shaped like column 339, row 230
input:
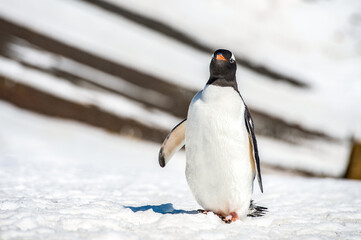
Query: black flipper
column 250, row 128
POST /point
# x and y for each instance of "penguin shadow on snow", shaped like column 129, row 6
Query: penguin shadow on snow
column 166, row 208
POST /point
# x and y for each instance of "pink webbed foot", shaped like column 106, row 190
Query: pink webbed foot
column 234, row 216
column 230, row 218
column 227, row 219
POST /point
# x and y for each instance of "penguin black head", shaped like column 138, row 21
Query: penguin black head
column 223, row 69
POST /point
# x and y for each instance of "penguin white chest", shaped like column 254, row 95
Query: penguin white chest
column 219, row 170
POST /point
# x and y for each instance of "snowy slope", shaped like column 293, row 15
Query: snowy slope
column 64, row 180
column 316, row 41
column 110, row 36
column 116, row 104
column 286, row 43
column 305, row 156
column 105, row 34
column 309, row 39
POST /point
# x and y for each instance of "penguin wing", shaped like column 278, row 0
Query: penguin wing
column 172, row 143
column 253, row 141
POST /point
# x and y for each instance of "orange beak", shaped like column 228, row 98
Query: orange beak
column 220, row 57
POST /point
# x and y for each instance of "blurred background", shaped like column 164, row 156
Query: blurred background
column 132, row 67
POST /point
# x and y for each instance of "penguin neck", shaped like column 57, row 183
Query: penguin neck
column 223, row 82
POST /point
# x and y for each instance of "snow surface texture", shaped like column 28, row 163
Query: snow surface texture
column 64, row 180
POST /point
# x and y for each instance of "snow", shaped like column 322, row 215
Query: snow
column 312, row 156
column 291, row 36
column 64, row 180
column 112, row 37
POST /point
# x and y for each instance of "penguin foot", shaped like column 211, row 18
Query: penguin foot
column 256, row 211
column 228, row 219
column 234, row 216
column 202, row 211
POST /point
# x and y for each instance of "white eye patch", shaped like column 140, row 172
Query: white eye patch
column 233, row 58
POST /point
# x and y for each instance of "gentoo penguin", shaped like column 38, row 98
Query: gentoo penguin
column 221, row 148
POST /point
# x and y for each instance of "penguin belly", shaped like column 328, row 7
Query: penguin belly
column 218, row 166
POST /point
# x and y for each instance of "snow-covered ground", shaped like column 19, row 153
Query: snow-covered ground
column 64, row 180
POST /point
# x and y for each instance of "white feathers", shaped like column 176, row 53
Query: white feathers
column 218, row 168
column 233, row 58
column 173, row 142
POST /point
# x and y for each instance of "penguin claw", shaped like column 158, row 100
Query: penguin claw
column 228, row 219
column 202, row 211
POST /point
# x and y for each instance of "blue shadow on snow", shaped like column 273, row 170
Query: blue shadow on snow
column 166, row 208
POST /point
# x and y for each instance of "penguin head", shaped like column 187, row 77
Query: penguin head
column 223, row 65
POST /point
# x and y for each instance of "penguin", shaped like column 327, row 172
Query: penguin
column 222, row 158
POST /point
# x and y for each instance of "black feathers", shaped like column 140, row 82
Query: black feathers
column 250, row 128
column 223, row 68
